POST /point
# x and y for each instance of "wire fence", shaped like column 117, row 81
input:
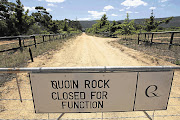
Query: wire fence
column 11, row 106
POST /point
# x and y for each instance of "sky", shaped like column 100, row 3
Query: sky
column 114, row 9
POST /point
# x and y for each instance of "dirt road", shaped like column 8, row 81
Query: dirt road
column 85, row 51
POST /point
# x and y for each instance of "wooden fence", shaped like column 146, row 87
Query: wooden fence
column 20, row 42
column 149, row 38
column 22, row 39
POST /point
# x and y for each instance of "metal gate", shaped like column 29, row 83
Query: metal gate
column 17, row 103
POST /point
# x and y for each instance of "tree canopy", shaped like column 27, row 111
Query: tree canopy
column 103, row 25
column 14, row 20
column 151, row 23
column 127, row 27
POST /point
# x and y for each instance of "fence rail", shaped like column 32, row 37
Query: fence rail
column 149, row 37
column 24, row 44
column 168, row 38
column 34, row 37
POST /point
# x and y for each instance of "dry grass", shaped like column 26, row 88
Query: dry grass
column 18, row 58
column 159, row 50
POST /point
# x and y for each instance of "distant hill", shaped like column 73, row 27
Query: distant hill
column 87, row 24
column 175, row 22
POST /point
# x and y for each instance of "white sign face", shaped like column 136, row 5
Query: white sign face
column 100, row 92
column 153, row 90
column 83, row 92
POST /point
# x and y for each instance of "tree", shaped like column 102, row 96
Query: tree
column 103, row 26
column 151, row 23
column 23, row 20
column 7, row 9
column 127, row 28
column 3, row 28
column 113, row 27
column 43, row 17
column 138, row 26
column 7, row 18
column 65, row 28
column 13, row 19
column 19, row 14
column 104, row 20
column 28, row 21
column 54, row 27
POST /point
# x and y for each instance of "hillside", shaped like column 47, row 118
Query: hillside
column 175, row 22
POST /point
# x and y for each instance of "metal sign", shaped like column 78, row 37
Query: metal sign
column 100, row 92
column 153, row 90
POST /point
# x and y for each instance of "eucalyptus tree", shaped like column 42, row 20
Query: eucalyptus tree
column 7, row 18
column 13, row 20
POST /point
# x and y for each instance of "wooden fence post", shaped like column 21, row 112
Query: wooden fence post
column 171, row 41
column 145, row 36
column 34, row 41
column 152, row 39
column 138, row 38
column 49, row 38
column 30, row 52
column 43, row 38
column 23, row 42
column 20, row 45
column 148, row 36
